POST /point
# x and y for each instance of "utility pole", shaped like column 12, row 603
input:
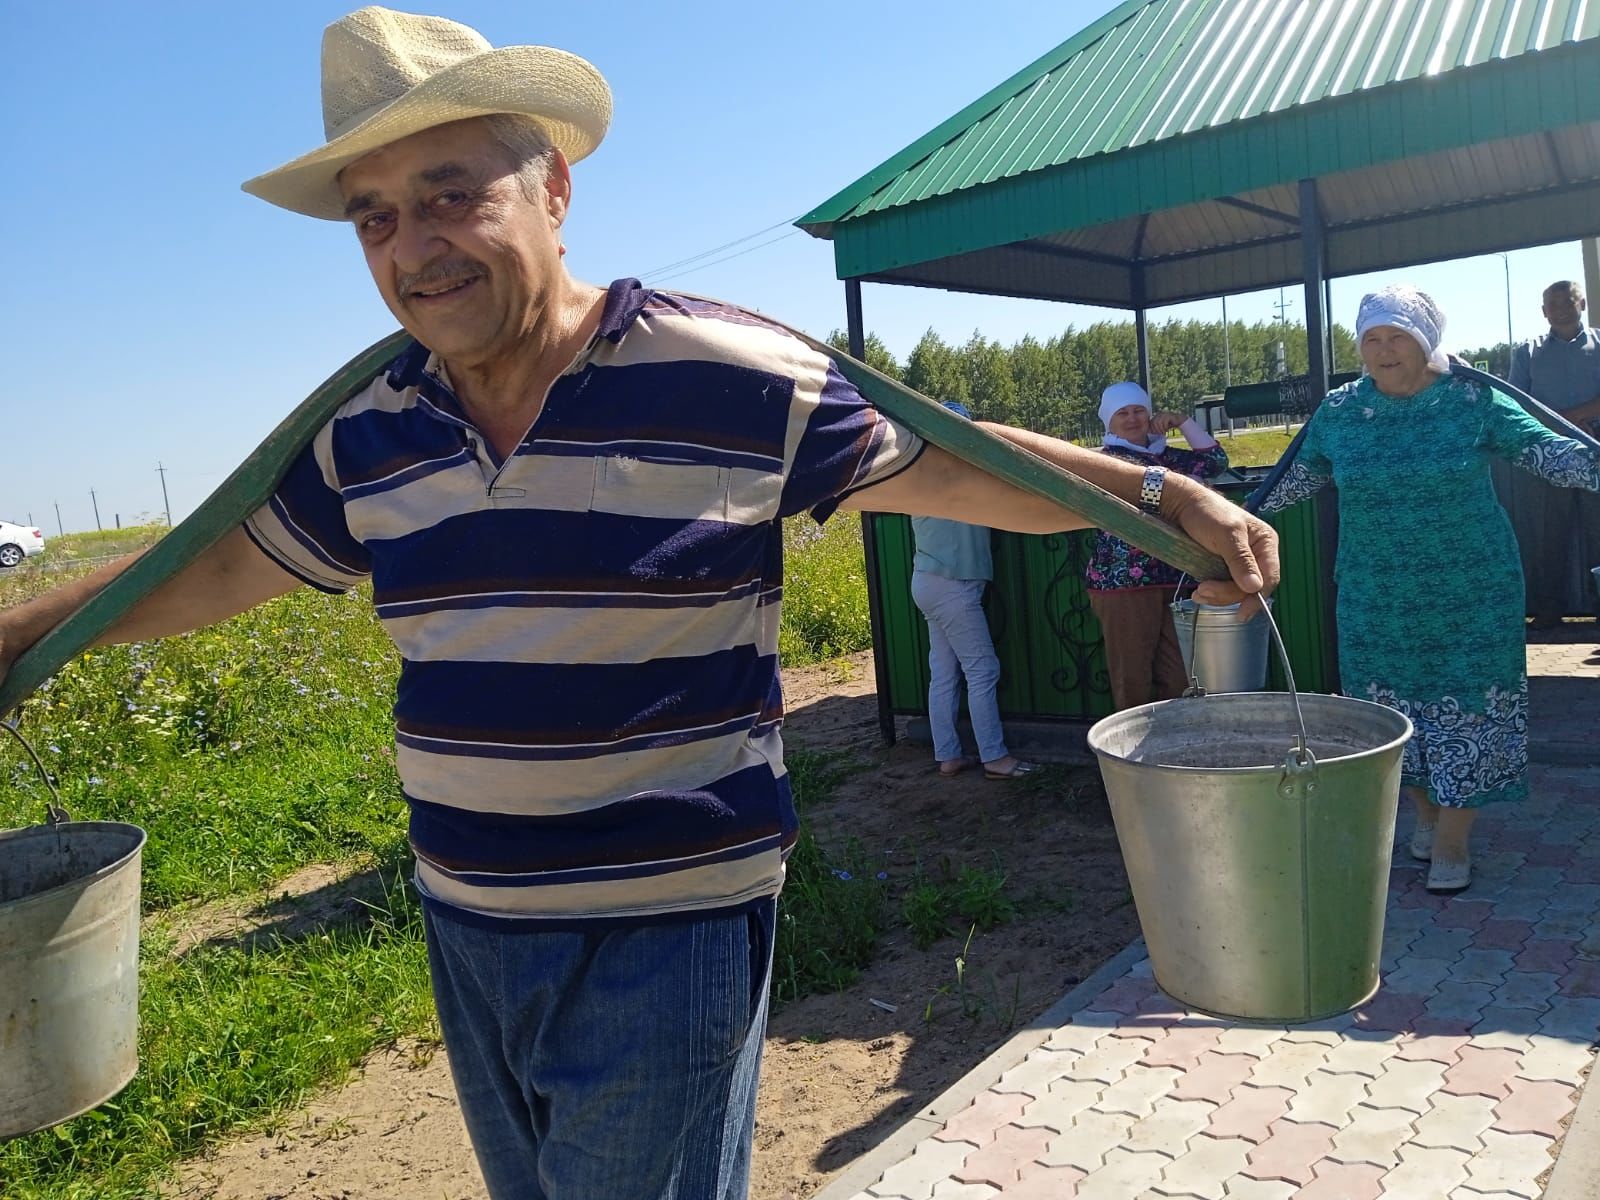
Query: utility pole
column 59, row 530
column 96, row 504
column 165, row 503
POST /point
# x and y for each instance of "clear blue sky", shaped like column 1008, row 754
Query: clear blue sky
column 158, row 314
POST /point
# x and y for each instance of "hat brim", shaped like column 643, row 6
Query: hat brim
column 564, row 93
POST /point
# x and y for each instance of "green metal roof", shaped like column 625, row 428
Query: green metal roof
column 1165, row 111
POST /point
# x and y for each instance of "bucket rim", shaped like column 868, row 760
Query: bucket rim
column 10, row 836
column 1099, row 731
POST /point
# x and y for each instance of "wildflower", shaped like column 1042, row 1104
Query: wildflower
column 841, row 875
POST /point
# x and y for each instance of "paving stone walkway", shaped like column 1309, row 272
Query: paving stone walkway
column 1457, row 1080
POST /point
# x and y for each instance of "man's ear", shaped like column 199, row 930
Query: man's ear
column 558, row 188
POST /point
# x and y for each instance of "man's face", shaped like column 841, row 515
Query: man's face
column 1564, row 310
column 461, row 256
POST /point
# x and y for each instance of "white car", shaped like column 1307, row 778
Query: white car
column 17, row 542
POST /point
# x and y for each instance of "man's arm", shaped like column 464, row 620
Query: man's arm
column 227, row 579
column 939, row 484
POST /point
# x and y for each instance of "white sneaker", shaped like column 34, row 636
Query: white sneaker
column 1422, row 843
column 1449, row 877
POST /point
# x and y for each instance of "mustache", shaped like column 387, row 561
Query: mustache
column 446, row 270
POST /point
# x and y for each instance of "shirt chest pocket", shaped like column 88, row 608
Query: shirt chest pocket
column 675, row 490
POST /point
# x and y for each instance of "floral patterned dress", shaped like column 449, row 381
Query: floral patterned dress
column 1115, row 565
column 1430, row 584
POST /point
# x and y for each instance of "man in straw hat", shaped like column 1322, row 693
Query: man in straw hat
column 567, row 499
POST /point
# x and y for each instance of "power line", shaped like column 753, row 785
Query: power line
column 694, row 258
column 727, row 258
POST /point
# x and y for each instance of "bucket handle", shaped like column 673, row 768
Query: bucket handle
column 1300, row 759
column 55, row 812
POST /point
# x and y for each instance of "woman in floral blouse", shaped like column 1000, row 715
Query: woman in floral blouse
column 1130, row 591
column 1430, row 590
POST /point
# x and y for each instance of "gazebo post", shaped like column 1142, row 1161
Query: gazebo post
column 1314, row 263
column 1141, row 331
column 855, row 331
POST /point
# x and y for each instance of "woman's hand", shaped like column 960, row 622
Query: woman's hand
column 1163, row 423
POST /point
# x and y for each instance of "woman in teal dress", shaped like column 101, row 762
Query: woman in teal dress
column 1431, row 598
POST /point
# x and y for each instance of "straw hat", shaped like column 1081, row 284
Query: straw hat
column 387, row 74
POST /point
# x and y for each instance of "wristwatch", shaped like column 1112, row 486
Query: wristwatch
column 1150, row 490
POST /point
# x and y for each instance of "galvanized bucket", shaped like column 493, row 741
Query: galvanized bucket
column 1595, row 571
column 1257, row 829
column 1221, row 652
column 69, row 968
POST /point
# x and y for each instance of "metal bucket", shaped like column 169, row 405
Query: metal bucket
column 1595, row 571
column 1221, row 652
column 1258, row 853
column 69, row 969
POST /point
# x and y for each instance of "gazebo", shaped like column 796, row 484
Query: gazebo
column 1184, row 149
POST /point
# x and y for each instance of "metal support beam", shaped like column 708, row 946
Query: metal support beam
column 1314, row 263
column 1141, row 332
column 856, row 333
column 1261, row 210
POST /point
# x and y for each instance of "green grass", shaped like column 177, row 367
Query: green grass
column 1252, row 448
column 263, row 745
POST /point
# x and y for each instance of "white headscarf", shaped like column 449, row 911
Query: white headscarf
column 1119, row 396
column 1407, row 308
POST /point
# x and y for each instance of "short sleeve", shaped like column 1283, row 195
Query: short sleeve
column 844, row 445
column 302, row 527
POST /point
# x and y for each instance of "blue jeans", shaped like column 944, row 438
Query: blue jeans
column 619, row 1063
column 959, row 643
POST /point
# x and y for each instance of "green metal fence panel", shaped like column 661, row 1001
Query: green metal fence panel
column 1052, row 660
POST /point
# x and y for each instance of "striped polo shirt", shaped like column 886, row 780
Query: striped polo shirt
column 587, row 717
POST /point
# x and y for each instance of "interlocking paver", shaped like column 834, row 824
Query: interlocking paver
column 1432, row 1047
column 1391, row 1010
column 1126, row 994
column 1454, row 1122
column 1107, row 1061
column 1250, row 1112
column 1084, row 1145
column 1405, row 1084
column 1136, row 1092
column 1182, row 1047
column 1452, row 999
column 1478, row 964
column 1481, row 1072
column 1501, row 934
column 1045, row 1183
column 1361, row 1056
column 1557, row 1058
column 1246, row 1039
column 1534, row 1107
column 978, row 1121
column 1373, row 1135
column 1425, row 1174
column 1520, row 904
column 1328, row 1098
column 1418, row 974
column 1170, row 1125
column 1434, row 942
column 931, row 1162
column 1244, row 1188
column 1289, row 1151
column 1503, row 1029
column 1214, row 1077
column 1563, row 925
column 1082, row 1034
column 1527, row 989
column 1574, row 897
column 1034, row 1074
column 1566, row 1017
column 1583, row 979
column 949, row 1189
column 1547, row 954
column 1063, row 1100
column 1288, row 1063
column 1126, row 1173
column 1203, row 1169
column 1461, row 913
column 1343, row 1181
column 1001, row 1161
column 1510, row 1162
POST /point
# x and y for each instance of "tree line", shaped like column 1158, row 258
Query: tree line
column 1053, row 386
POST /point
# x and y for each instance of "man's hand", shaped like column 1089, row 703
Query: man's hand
column 1245, row 542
